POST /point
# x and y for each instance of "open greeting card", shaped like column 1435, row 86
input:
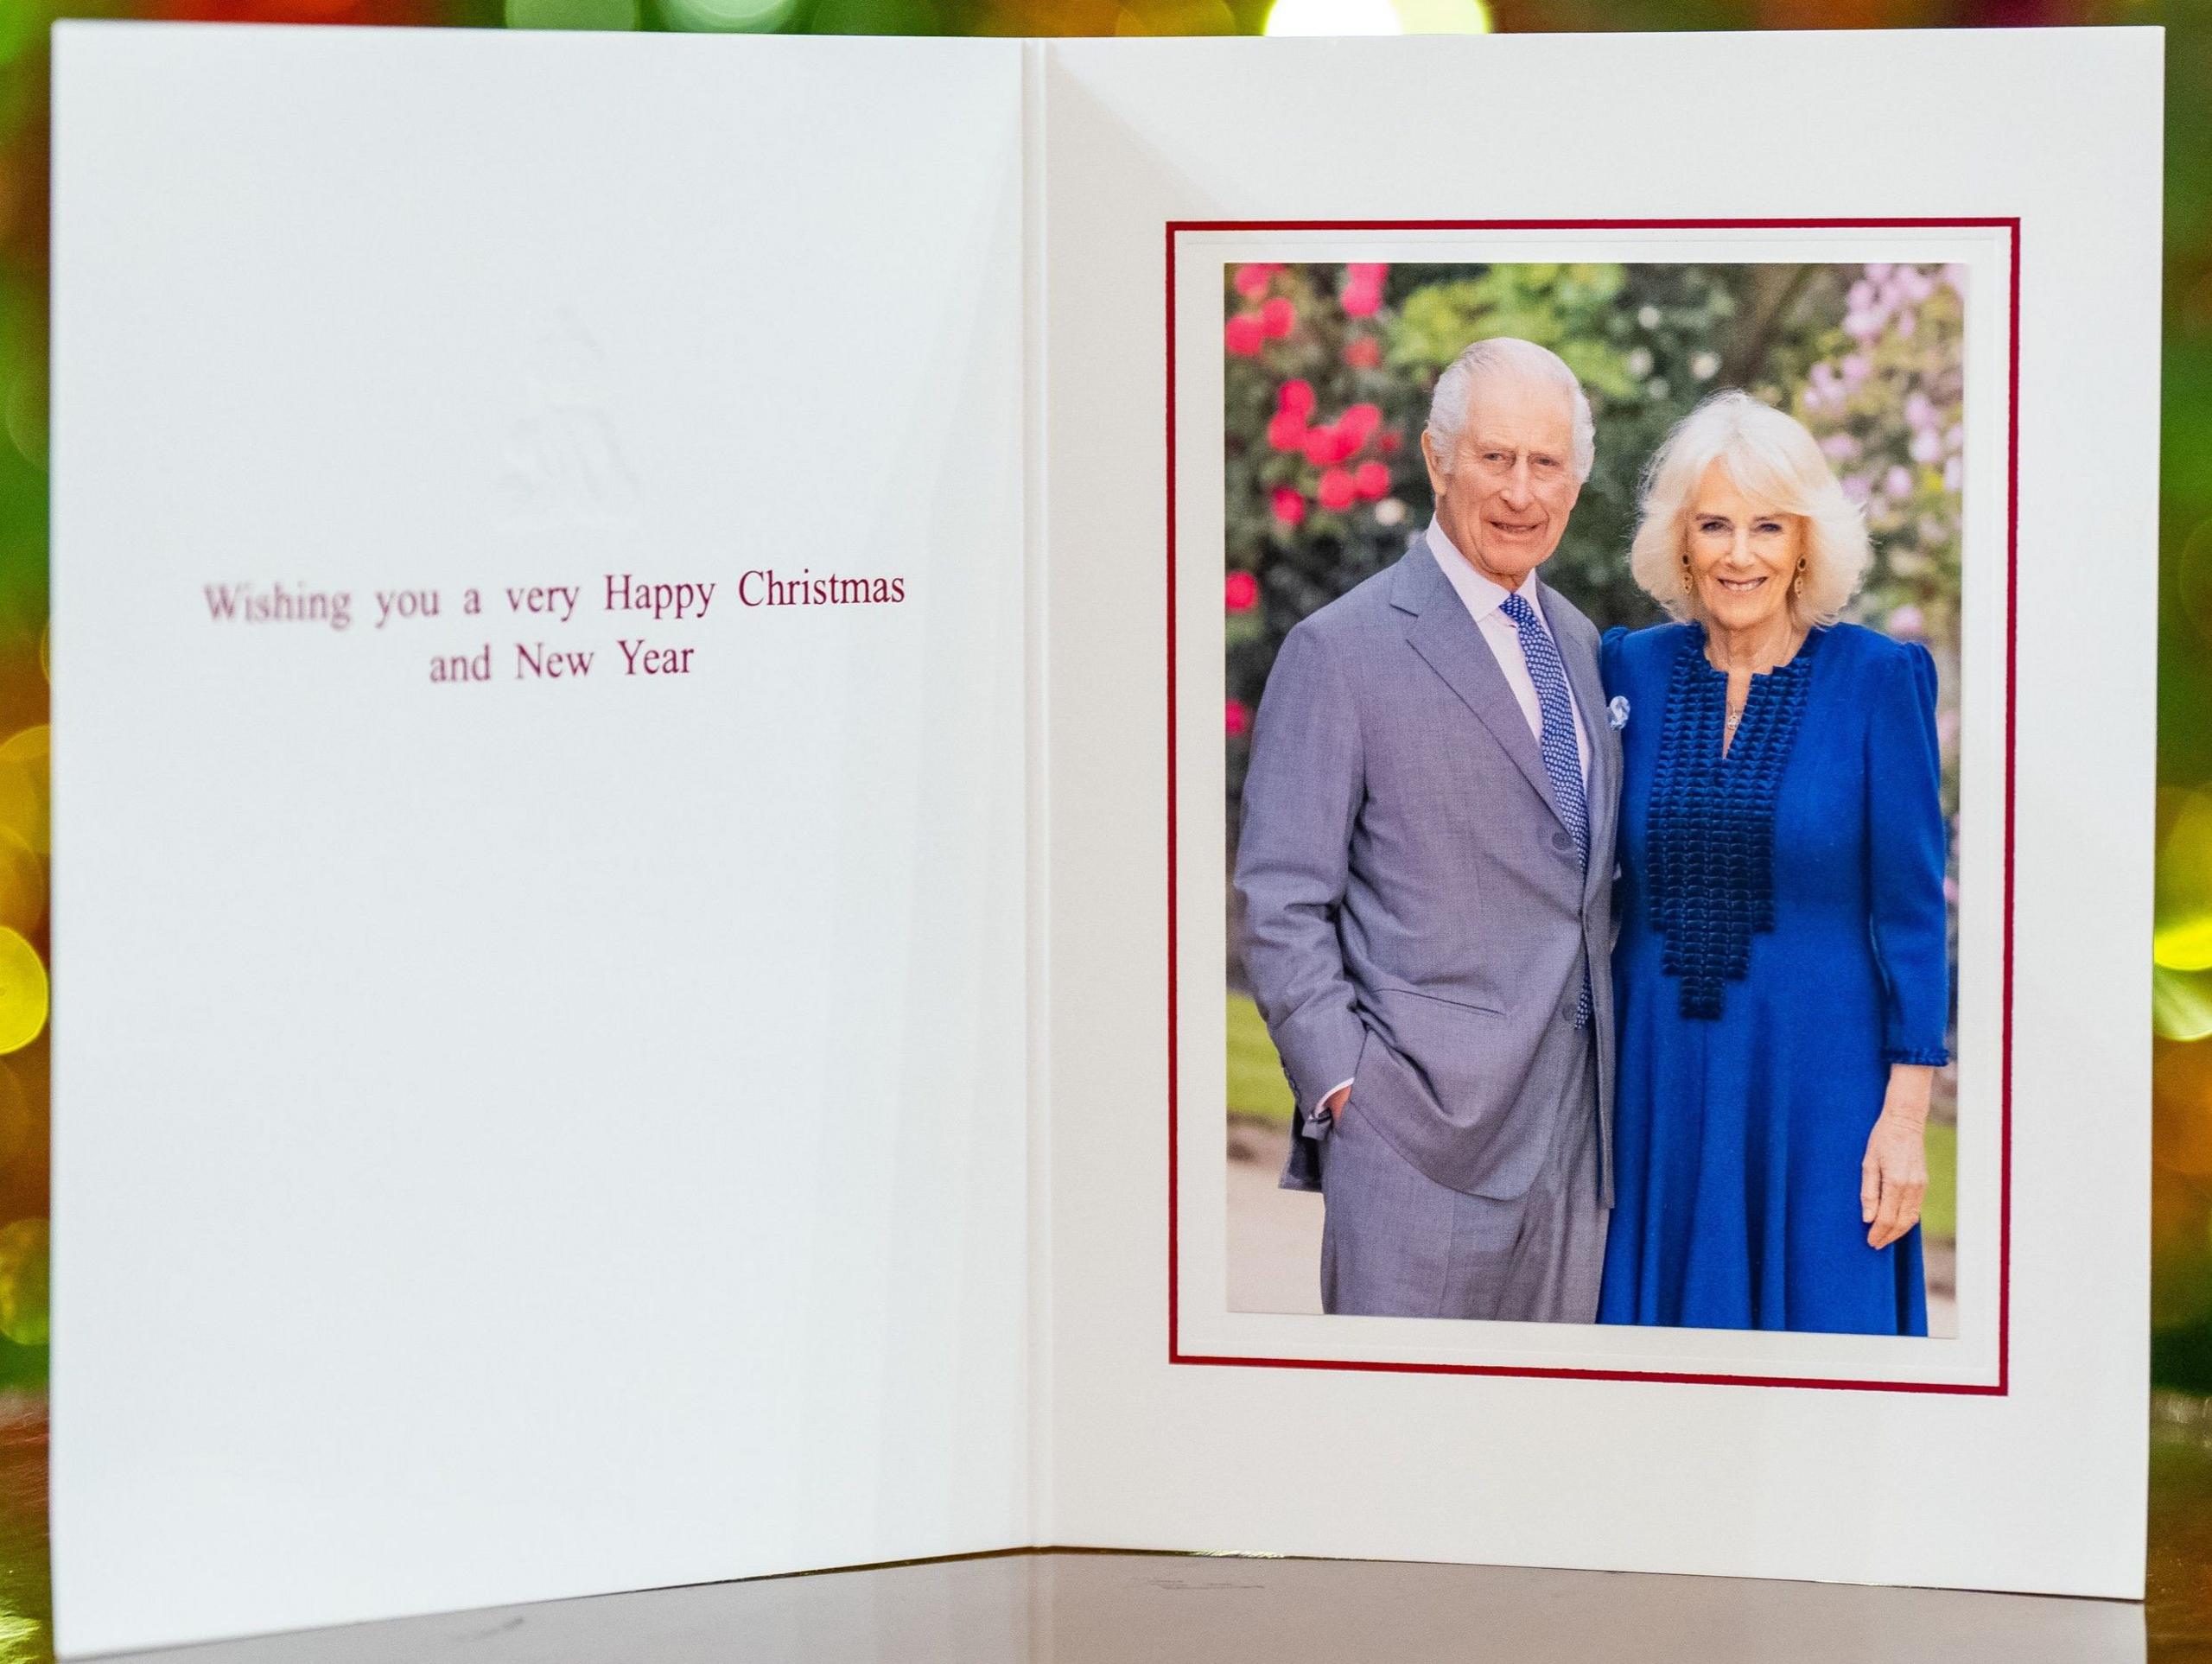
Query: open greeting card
column 827, row 801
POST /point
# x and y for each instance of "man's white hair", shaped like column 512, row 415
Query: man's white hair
column 1507, row 356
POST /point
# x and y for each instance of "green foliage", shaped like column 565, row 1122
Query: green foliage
column 1551, row 305
column 1868, row 356
column 1257, row 1086
column 1646, row 342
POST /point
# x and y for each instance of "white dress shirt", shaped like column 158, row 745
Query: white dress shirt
column 1484, row 599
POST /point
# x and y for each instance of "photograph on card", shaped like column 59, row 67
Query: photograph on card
column 1591, row 642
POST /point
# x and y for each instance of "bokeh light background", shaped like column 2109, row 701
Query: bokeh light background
column 2182, row 1534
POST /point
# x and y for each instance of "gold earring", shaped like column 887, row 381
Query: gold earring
column 1798, row 587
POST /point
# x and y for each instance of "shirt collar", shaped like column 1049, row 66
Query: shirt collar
column 1480, row 594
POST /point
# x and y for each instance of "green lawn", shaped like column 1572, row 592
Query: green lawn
column 1255, row 1083
column 1939, row 1211
column 1256, row 1087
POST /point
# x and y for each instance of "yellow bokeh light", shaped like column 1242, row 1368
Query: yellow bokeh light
column 1444, row 16
column 23, row 992
column 2181, row 1004
column 2181, row 937
column 1334, row 18
column 1378, row 17
column 2185, row 945
column 24, row 771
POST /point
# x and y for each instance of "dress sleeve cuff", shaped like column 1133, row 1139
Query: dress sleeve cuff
column 1932, row 1057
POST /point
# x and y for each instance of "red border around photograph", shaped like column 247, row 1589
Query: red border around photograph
column 1175, row 1354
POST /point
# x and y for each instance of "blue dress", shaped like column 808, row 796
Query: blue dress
column 1783, row 940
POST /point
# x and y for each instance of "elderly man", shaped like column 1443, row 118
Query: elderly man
column 1425, row 868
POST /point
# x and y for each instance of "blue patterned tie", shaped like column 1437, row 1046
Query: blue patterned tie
column 1562, row 758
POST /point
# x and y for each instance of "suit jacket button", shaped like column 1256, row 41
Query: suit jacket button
column 1562, row 842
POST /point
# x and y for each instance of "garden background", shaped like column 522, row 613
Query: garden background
column 1328, row 370
column 2181, row 1604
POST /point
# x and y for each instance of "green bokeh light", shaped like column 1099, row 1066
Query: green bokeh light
column 572, row 13
column 728, row 16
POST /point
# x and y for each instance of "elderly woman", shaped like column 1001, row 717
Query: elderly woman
column 1781, row 976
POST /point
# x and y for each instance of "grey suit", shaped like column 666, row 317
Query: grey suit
column 1417, row 920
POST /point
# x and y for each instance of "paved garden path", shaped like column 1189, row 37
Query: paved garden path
column 1274, row 1236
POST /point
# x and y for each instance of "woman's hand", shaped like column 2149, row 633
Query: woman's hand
column 1893, row 1177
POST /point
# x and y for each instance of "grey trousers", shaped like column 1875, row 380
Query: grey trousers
column 1396, row 1243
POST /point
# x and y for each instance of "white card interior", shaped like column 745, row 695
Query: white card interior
column 542, row 1136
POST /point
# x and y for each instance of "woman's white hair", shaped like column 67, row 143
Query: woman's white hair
column 1507, row 355
column 1773, row 460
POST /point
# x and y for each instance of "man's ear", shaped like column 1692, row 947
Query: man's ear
column 1436, row 472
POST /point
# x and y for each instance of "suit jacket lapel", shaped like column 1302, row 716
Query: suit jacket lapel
column 1443, row 634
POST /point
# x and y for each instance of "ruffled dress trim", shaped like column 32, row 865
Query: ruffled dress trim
column 1712, row 818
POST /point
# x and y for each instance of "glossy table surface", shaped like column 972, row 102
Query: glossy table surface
column 1082, row 1607
column 1086, row 1608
